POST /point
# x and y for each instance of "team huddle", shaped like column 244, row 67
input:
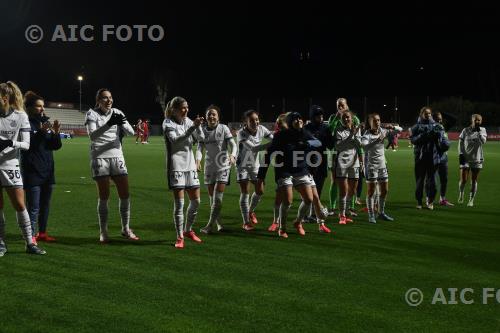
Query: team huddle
column 301, row 154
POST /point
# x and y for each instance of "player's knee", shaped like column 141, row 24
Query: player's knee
column 194, row 203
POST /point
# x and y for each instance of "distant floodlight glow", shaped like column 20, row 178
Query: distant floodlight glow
column 80, row 78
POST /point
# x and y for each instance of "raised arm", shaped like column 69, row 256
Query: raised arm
column 483, row 135
column 233, row 147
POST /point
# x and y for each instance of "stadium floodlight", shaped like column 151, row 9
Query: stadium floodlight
column 80, row 79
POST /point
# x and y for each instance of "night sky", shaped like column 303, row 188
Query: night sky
column 214, row 52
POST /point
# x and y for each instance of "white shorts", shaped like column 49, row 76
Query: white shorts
column 245, row 174
column 296, row 181
column 219, row 176
column 471, row 165
column 105, row 167
column 372, row 175
column 183, row 180
column 11, row 177
column 351, row 173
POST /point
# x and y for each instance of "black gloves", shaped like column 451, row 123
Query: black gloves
column 116, row 119
column 461, row 159
column 5, row 143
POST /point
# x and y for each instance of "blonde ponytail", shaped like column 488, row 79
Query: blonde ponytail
column 16, row 98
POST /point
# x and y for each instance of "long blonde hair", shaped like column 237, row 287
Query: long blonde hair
column 174, row 103
column 12, row 91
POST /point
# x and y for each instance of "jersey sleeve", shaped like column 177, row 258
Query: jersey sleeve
column 25, row 123
column 227, row 133
column 90, row 117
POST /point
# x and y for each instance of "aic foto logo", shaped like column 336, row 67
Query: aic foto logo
column 90, row 33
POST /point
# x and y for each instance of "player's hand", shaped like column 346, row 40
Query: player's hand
column 232, row 160
column 198, row 121
column 56, row 126
column 5, row 143
column 45, row 127
column 198, row 166
column 115, row 119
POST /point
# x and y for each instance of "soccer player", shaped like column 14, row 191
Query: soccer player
column 180, row 135
column 278, row 126
column 442, row 171
column 105, row 126
column 145, row 134
column 428, row 140
column 247, row 165
column 14, row 136
column 375, row 166
column 335, row 122
column 291, row 146
column 319, row 130
column 37, row 164
column 470, row 149
column 139, row 131
column 347, row 145
column 217, row 169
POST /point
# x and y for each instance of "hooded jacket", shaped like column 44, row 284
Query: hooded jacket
column 429, row 140
column 323, row 134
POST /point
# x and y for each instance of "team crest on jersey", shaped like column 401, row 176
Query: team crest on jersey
column 13, row 123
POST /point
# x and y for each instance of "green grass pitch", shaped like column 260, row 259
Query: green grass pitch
column 236, row 281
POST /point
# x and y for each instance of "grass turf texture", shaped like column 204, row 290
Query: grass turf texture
column 249, row 282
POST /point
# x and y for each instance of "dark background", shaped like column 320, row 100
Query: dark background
column 309, row 52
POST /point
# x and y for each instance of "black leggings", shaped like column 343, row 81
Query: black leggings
column 425, row 174
column 442, row 171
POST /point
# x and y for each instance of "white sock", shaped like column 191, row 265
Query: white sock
column 473, row 190
column 179, row 217
column 254, row 201
column 244, row 207
column 284, row 208
column 102, row 213
column 461, row 187
column 342, row 206
column 381, row 205
column 124, row 206
column 304, row 208
column 2, row 225
column 369, row 204
column 210, row 199
column 276, row 213
column 23, row 220
column 192, row 211
column 215, row 208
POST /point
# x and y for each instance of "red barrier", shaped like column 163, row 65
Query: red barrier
column 455, row 135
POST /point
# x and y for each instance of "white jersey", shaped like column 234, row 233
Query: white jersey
column 347, row 145
column 471, row 144
column 14, row 126
column 374, row 149
column 216, row 143
column 104, row 140
column 249, row 146
column 179, row 140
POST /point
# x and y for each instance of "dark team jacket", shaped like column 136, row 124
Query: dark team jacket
column 323, row 134
column 37, row 163
column 284, row 144
column 429, row 140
